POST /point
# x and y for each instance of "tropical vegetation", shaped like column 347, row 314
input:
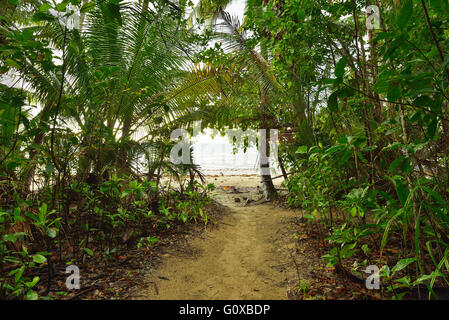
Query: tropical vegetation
column 91, row 91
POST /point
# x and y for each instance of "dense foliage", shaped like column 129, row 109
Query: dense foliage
column 376, row 170
column 87, row 107
column 90, row 102
column 362, row 112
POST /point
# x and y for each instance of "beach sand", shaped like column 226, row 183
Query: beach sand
column 245, row 255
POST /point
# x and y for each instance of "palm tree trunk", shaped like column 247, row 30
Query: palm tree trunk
column 269, row 191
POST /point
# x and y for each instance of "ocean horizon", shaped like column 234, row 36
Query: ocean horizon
column 219, row 157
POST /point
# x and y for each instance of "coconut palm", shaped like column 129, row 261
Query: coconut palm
column 245, row 82
column 121, row 69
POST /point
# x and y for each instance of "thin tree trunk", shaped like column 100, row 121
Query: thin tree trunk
column 269, row 191
column 281, row 165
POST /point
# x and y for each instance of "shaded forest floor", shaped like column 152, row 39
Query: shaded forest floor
column 243, row 258
column 248, row 250
column 127, row 268
column 253, row 252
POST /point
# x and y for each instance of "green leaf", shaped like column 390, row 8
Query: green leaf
column 12, row 63
column 52, row 232
column 426, row 277
column 388, row 227
column 436, row 197
column 395, row 163
column 38, row 258
column 344, row 158
column 401, row 190
column 87, row 7
column 436, row 4
column 340, row 67
column 89, row 252
column 365, row 248
column 32, row 283
column 43, row 16
column 45, row 7
column 335, row 148
column 125, row 193
column 404, row 280
column 32, row 295
column 432, row 128
column 405, row 14
column 61, row 7
column 332, row 101
column 43, row 211
column 18, row 273
column 394, row 93
column 385, row 271
column 301, row 150
column 27, row 34
column 13, row 237
column 309, row 216
column 402, row 264
column 112, row 11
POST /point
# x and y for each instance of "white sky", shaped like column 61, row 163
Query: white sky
column 237, row 7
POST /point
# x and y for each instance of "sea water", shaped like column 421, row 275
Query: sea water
column 217, row 155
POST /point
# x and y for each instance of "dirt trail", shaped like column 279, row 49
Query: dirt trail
column 245, row 257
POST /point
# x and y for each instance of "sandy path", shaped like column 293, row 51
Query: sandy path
column 244, row 258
